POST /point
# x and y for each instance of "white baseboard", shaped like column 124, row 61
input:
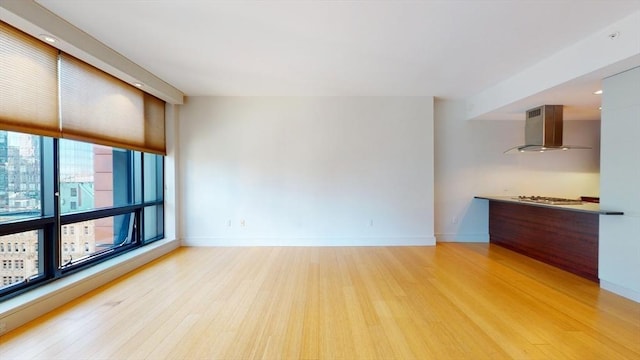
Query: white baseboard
column 620, row 290
column 462, row 238
column 32, row 304
column 311, row 241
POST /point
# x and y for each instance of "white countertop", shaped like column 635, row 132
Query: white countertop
column 584, row 207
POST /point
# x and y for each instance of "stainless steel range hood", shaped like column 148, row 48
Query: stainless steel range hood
column 543, row 130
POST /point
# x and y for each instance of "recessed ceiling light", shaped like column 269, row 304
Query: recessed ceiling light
column 599, row 92
column 137, row 84
column 600, row 108
column 48, row 38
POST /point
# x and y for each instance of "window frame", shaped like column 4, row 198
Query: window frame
column 51, row 222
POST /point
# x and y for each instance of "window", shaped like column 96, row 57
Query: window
column 109, row 234
column 20, row 165
column 118, row 206
column 110, row 184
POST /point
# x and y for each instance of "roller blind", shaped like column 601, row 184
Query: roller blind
column 96, row 107
column 154, row 134
column 91, row 106
column 28, row 84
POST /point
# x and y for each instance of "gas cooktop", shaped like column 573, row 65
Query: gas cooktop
column 549, row 200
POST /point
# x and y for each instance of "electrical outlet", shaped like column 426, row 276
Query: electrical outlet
column 242, row 223
column 229, row 223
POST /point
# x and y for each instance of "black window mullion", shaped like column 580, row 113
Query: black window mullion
column 52, row 252
column 97, row 214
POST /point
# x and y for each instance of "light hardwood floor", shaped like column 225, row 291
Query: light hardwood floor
column 452, row 301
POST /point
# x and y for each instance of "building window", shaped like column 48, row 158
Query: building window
column 127, row 184
column 112, row 214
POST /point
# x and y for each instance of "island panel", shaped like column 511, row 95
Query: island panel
column 565, row 239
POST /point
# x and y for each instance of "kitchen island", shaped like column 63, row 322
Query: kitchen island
column 565, row 236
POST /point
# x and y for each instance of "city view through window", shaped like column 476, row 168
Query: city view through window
column 20, row 197
column 91, row 177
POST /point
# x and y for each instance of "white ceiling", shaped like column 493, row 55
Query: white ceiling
column 449, row 49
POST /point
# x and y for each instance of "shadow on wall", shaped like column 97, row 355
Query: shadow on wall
column 472, row 225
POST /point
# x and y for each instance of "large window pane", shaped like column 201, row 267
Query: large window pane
column 153, row 177
column 20, row 257
column 86, row 239
column 153, row 223
column 20, row 176
column 94, row 176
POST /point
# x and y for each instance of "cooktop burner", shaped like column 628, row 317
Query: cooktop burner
column 550, row 200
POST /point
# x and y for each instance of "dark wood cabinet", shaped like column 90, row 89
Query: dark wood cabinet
column 559, row 237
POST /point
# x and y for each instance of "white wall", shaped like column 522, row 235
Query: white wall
column 470, row 161
column 306, row 170
column 619, row 260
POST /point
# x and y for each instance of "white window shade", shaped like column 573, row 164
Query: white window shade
column 69, row 98
column 98, row 108
column 28, row 84
column 154, row 125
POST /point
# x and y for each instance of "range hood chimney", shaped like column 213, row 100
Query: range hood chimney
column 543, row 130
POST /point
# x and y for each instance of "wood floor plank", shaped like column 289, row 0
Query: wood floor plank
column 451, row 301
